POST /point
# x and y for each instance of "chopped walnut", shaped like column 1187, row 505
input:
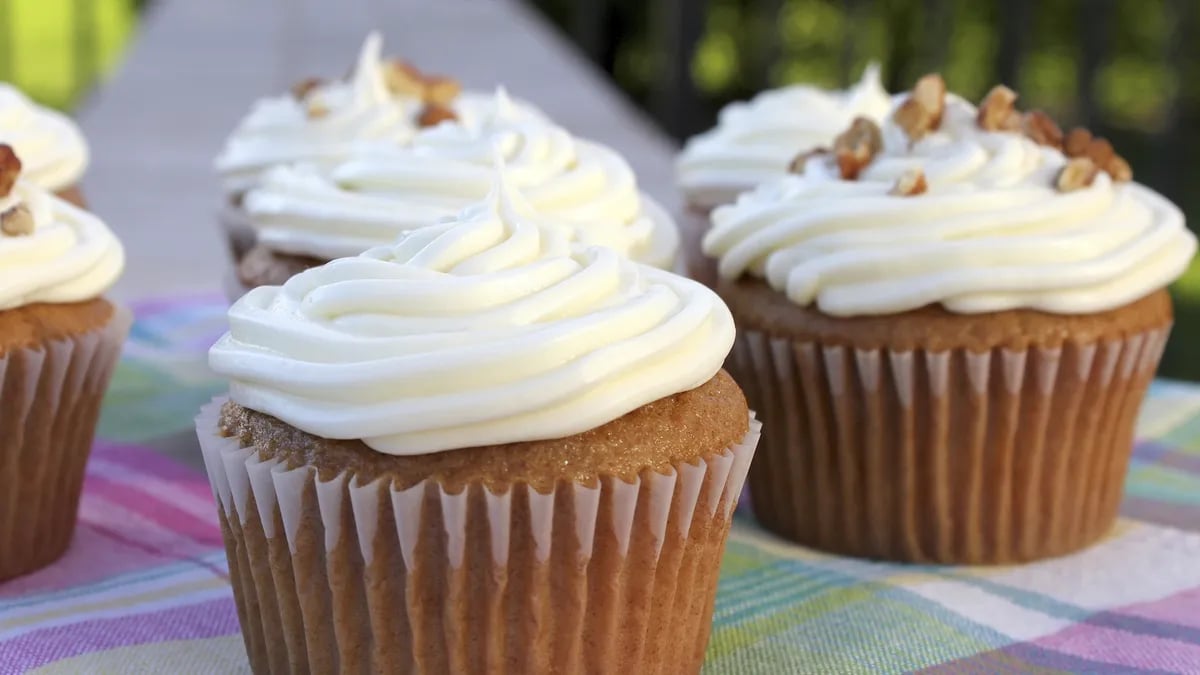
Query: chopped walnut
column 441, row 90
column 303, row 88
column 857, row 146
column 922, row 111
column 1076, row 142
column 17, row 221
column 10, row 169
column 1077, row 173
column 997, row 111
column 910, row 183
column 801, row 160
column 1041, row 129
column 433, row 114
column 403, row 79
column 1081, row 143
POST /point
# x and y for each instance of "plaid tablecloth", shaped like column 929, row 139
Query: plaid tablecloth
column 144, row 588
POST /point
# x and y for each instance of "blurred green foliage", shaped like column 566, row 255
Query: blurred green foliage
column 55, row 50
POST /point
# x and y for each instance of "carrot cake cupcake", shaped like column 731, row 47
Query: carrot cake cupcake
column 50, row 144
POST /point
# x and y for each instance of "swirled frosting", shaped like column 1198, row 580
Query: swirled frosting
column 754, row 141
column 370, row 199
column 485, row 329
column 992, row 232
column 70, row 256
column 49, row 143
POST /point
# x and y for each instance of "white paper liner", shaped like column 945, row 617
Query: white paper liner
column 845, row 465
column 52, row 394
column 237, row 473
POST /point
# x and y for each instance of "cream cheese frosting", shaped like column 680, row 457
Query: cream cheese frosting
column 991, row 233
column 70, row 255
column 373, row 197
column 487, row 328
column 359, row 113
column 755, row 140
column 49, row 143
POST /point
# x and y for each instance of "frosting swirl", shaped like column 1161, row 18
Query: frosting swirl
column 49, row 143
column 69, row 257
column 370, row 199
column 486, row 329
column 755, row 140
column 279, row 129
column 992, row 233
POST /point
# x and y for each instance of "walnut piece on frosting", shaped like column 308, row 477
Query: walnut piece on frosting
column 441, row 90
column 10, row 169
column 17, row 221
column 801, row 160
column 1041, row 129
column 434, row 114
column 404, row 79
column 922, row 111
column 315, row 108
column 1076, row 174
column 1079, row 142
column 303, row 88
column 910, row 183
column 998, row 111
column 855, row 147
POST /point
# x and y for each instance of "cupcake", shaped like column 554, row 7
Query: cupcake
column 324, row 122
column 305, row 215
column 49, row 143
column 59, row 343
column 479, row 449
column 948, row 325
column 754, row 141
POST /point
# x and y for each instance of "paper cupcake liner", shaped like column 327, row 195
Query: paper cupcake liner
column 333, row 576
column 949, row 457
column 235, row 223
column 51, row 396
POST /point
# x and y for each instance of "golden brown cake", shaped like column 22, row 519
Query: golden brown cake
column 948, row 325
column 59, row 342
column 481, row 449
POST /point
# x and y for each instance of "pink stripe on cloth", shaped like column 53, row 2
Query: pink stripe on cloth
column 1182, row 608
column 211, row 618
column 145, row 460
column 93, row 556
column 173, row 524
column 1122, row 648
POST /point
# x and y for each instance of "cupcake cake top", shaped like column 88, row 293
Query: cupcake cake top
column 978, row 209
column 383, row 101
column 754, row 140
column 488, row 328
column 50, row 250
column 370, row 199
column 49, row 143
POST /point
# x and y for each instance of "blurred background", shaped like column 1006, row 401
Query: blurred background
column 1127, row 69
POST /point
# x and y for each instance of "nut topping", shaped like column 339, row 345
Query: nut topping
column 997, row 111
column 910, row 183
column 10, row 169
column 316, row 108
column 801, row 160
column 441, row 90
column 434, row 114
column 17, row 221
column 303, row 88
column 1041, row 129
column 1076, row 174
column 1081, row 143
column 922, row 111
column 403, row 79
column 856, row 147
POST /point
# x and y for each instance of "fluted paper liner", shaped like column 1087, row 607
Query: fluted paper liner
column 951, row 457
column 334, row 576
column 51, row 395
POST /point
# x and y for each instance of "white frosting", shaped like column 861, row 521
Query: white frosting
column 70, row 256
column 992, row 232
column 50, row 145
column 754, row 141
column 489, row 328
column 375, row 196
column 362, row 114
